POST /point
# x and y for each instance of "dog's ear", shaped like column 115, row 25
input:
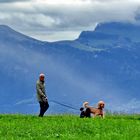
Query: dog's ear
column 81, row 109
column 99, row 105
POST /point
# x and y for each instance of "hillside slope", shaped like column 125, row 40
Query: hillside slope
column 99, row 65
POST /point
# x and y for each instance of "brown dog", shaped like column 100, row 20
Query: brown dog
column 96, row 111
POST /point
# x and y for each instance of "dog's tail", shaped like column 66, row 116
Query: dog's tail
column 86, row 104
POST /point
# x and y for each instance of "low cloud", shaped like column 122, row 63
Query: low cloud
column 133, row 106
column 65, row 16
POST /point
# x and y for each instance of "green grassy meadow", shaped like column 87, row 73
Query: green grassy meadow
column 69, row 127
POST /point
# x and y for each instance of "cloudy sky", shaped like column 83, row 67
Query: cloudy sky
column 53, row 20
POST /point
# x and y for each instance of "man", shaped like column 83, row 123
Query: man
column 41, row 95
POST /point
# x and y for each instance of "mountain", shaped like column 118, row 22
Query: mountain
column 99, row 65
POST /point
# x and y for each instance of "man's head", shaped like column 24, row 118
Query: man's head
column 42, row 77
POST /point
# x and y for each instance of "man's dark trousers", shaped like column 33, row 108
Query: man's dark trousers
column 43, row 108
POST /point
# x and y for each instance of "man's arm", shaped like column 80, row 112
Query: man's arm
column 40, row 91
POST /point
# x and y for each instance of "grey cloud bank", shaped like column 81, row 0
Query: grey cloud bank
column 9, row 1
column 58, row 19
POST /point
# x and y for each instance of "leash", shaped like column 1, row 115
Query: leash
column 62, row 104
column 53, row 101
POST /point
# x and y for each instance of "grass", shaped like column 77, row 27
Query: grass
column 69, row 127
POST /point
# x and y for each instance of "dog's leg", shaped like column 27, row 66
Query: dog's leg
column 103, row 116
column 95, row 115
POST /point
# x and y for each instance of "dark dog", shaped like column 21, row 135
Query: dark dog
column 85, row 113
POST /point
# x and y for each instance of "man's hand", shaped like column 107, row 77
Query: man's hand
column 45, row 99
column 43, row 96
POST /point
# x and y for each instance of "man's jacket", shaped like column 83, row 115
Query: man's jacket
column 40, row 87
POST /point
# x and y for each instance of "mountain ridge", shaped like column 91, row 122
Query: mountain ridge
column 85, row 69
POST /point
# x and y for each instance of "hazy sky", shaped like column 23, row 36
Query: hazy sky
column 53, row 20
